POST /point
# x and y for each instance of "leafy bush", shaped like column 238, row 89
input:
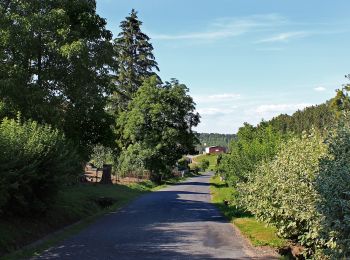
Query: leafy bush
column 195, row 168
column 305, row 192
column 35, row 161
column 204, row 164
column 5, row 111
column 132, row 160
column 282, row 191
column 253, row 144
column 333, row 186
column 102, row 155
column 182, row 164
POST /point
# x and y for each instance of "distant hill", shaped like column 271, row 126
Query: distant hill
column 213, row 139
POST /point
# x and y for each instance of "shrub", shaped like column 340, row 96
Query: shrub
column 282, row 191
column 204, row 164
column 253, row 145
column 195, row 168
column 182, row 164
column 132, row 161
column 35, row 160
column 5, row 110
column 333, row 186
column 102, row 155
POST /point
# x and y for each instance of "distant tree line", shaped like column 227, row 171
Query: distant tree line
column 72, row 91
column 293, row 172
column 213, row 139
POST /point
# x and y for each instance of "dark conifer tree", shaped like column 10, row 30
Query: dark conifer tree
column 134, row 61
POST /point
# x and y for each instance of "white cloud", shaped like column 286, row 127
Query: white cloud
column 279, row 108
column 211, row 111
column 227, row 27
column 320, row 89
column 284, row 37
column 217, row 98
column 226, row 96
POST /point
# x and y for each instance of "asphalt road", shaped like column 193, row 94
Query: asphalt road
column 177, row 222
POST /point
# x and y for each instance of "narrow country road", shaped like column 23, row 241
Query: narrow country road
column 177, row 222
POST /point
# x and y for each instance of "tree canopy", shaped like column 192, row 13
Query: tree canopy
column 159, row 121
column 55, row 60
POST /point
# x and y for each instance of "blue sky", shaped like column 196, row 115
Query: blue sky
column 245, row 60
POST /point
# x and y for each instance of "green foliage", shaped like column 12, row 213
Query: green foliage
column 333, row 187
column 304, row 192
column 194, row 168
column 132, row 160
column 281, row 192
column 341, row 102
column 221, row 192
column 159, row 122
column 288, row 176
column 102, row 155
column 320, row 117
column 253, row 144
column 183, row 164
column 35, row 162
column 5, row 111
column 134, row 61
column 212, row 158
column 204, row 165
column 55, row 59
column 258, row 232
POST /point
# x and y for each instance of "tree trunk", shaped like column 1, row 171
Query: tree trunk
column 106, row 174
column 156, row 177
column 39, row 60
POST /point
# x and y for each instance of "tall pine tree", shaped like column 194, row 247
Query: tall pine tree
column 135, row 61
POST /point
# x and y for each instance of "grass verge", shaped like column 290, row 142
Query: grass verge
column 258, row 233
column 210, row 157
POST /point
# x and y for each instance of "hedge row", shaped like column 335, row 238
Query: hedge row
column 305, row 192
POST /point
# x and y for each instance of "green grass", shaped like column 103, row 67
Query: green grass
column 72, row 205
column 210, row 157
column 259, row 233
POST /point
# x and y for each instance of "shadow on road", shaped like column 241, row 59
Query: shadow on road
column 169, row 224
column 192, row 183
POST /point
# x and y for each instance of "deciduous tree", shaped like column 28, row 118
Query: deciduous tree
column 159, row 121
column 54, row 65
